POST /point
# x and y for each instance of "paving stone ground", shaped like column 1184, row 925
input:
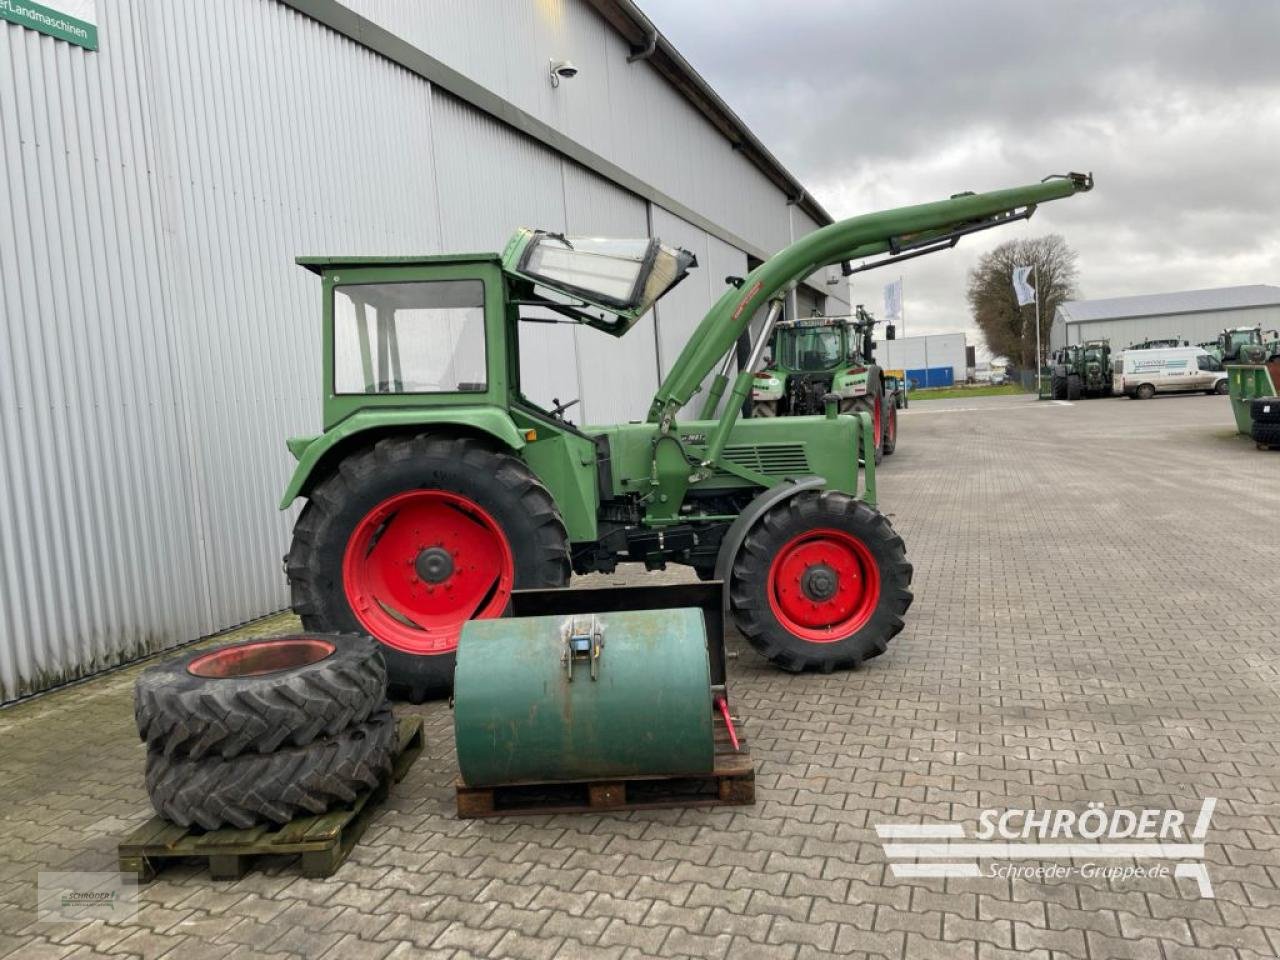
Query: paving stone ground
column 1097, row 619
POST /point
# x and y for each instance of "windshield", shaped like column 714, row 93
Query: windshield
column 621, row 274
column 1241, row 337
column 811, row 349
column 1093, row 354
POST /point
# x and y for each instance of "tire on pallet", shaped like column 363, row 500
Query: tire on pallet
column 1075, row 389
column 821, row 582
column 256, row 696
column 1265, row 434
column 1265, row 409
column 276, row 787
column 890, row 441
column 409, row 538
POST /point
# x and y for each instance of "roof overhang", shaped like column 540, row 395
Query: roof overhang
column 648, row 43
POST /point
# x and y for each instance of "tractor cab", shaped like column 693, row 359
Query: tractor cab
column 1240, row 345
column 811, row 358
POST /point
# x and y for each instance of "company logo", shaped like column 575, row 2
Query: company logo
column 742, row 304
column 1162, row 843
column 78, row 896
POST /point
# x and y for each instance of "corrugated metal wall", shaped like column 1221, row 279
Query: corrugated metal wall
column 1194, row 327
column 158, row 341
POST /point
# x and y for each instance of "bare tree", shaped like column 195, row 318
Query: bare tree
column 1010, row 330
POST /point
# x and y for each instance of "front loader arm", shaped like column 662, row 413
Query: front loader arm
column 888, row 231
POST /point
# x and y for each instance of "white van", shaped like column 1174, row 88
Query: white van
column 1141, row 374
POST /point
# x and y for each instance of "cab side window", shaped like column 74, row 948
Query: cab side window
column 1205, row 362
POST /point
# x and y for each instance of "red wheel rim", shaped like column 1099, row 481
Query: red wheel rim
column 824, row 585
column 261, row 657
column 421, row 564
column 876, row 421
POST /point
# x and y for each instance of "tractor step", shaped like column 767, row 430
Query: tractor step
column 323, row 841
column 730, row 782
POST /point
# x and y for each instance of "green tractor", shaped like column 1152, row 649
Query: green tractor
column 438, row 488
column 1082, row 370
column 821, row 356
column 1243, row 345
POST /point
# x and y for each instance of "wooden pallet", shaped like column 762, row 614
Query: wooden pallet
column 731, row 781
column 323, row 841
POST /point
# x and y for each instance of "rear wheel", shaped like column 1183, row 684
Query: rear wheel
column 1221, row 387
column 891, row 430
column 875, row 408
column 820, row 583
column 410, row 538
column 1059, row 388
column 1145, row 391
column 1074, row 387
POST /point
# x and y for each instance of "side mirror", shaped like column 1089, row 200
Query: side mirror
column 890, row 331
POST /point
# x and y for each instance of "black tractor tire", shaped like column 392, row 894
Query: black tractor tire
column 1074, row 388
column 276, row 787
column 1265, row 410
column 867, row 404
column 750, row 589
column 1145, row 391
column 1265, row 434
column 889, row 443
column 256, row 696
column 497, row 482
column 1058, row 387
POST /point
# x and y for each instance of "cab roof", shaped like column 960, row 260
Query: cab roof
column 319, row 264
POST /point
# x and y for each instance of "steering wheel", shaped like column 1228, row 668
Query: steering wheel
column 559, row 408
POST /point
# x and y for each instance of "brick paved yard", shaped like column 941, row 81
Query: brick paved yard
column 1097, row 619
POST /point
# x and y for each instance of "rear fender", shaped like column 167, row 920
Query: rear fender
column 486, row 420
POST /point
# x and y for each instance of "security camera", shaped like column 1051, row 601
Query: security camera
column 562, row 70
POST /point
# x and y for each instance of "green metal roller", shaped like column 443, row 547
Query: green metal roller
column 583, row 696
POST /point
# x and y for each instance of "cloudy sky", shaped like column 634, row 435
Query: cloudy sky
column 1175, row 107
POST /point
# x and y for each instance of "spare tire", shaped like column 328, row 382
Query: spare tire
column 1265, row 409
column 259, row 695
column 276, row 787
column 1266, row 434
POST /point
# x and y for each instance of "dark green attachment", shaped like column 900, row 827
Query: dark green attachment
column 583, row 697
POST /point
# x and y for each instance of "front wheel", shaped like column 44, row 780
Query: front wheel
column 410, row 538
column 821, row 582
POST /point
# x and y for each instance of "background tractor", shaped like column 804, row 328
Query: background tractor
column 812, row 358
column 1082, row 370
column 438, row 488
column 1243, row 345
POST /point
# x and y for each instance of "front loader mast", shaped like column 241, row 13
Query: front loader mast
column 901, row 233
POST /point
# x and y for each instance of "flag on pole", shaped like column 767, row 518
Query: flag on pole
column 1024, row 291
column 893, row 300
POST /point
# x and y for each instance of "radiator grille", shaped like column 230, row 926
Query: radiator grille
column 771, row 459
